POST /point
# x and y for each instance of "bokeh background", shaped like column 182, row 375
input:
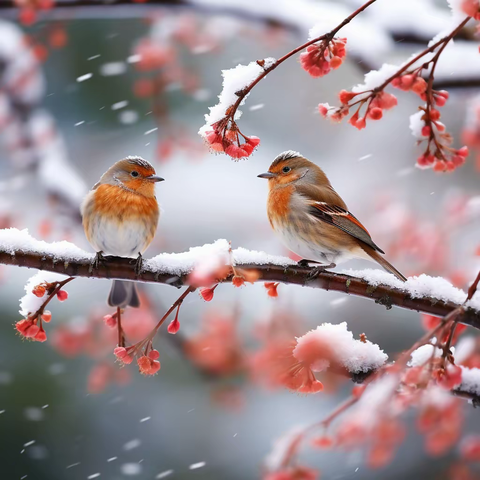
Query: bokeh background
column 145, row 427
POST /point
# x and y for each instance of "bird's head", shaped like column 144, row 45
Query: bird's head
column 291, row 167
column 133, row 173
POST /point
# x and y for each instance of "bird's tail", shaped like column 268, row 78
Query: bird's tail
column 374, row 255
column 123, row 294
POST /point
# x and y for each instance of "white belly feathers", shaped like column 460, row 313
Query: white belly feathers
column 123, row 239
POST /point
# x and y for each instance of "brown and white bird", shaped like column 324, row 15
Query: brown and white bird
column 312, row 219
column 120, row 218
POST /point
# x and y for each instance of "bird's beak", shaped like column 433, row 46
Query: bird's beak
column 267, row 175
column 155, row 178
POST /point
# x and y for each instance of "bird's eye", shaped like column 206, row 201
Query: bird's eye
column 134, row 173
column 286, row 169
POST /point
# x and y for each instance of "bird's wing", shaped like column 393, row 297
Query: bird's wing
column 342, row 219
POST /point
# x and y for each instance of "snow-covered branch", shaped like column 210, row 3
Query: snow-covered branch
column 426, row 294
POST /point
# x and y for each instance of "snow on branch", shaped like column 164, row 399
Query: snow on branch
column 201, row 265
column 323, row 52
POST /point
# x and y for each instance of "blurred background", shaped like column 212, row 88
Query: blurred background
column 83, row 85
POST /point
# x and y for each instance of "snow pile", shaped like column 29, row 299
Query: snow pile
column 13, row 240
column 234, row 80
column 470, row 381
column 30, row 303
column 252, row 257
column 202, row 258
column 374, row 79
column 416, row 124
column 211, row 256
column 423, row 354
column 354, row 355
column 417, row 287
column 457, row 10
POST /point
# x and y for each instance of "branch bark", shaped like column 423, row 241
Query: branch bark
column 124, row 269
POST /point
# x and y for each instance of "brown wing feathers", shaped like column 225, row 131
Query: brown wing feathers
column 344, row 220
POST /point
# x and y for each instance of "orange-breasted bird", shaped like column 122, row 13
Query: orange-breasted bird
column 312, row 219
column 120, row 217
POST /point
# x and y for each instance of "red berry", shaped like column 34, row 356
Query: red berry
column 238, row 281
column 110, row 321
column 345, row 96
column 174, row 326
column 39, row 291
column 27, row 16
column 58, row 38
column 154, row 354
column 207, row 293
column 470, row 448
column 120, row 352
column 62, row 295
column 41, row 336
column 375, row 113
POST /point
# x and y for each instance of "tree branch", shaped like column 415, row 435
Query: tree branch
column 124, row 269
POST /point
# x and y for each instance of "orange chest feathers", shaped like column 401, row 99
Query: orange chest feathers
column 278, row 204
column 116, row 201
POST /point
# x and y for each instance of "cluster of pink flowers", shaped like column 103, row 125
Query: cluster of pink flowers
column 104, row 373
column 411, row 82
column 152, row 55
column 375, row 105
column 93, row 340
column 382, row 437
column 32, row 326
column 441, row 424
column 148, row 364
column 216, row 348
column 29, row 10
column 229, row 142
column 471, row 133
column 471, row 8
column 429, row 322
column 275, row 365
column 319, row 58
column 33, row 329
column 438, row 154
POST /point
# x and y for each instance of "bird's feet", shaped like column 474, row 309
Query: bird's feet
column 306, row 263
column 138, row 264
column 96, row 262
column 315, row 272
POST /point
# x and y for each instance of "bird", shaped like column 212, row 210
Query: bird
column 120, row 216
column 311, row 218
